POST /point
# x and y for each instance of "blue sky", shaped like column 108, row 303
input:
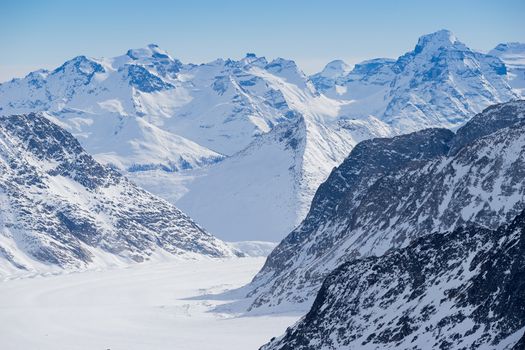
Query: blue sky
column 38, row 33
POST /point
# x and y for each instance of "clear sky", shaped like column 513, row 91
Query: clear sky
column 44, row 33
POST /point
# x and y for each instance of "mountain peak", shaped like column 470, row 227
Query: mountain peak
column 81, row 64
column 335, row 69
column 508, row 48
column 279, row 64
column 436, row 40
column 251, row 58
column 150, row 51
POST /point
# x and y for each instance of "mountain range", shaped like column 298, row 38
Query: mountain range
column 225, row 139
column 397, row 184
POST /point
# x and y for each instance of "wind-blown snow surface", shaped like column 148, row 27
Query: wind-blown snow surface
column 147, row 306
column 214, row 126
column 390, row 191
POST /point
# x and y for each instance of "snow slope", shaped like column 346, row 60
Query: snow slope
column 267, row 188
column 62, row 209
column 155, row 305
column 513, row 54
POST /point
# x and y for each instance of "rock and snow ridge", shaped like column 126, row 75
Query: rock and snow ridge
column 149, row 115
column 62, row 209
column 441, row 83
column 390, row 191
column 462, row 289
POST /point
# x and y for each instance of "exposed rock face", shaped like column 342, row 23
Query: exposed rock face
column 459, row 290
column 60, row 207
column 390, row 191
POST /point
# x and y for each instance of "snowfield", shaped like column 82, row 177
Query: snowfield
column 147, row 306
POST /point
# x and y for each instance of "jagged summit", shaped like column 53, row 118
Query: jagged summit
column 279, row 64
column 254, row 60
column 81, row 65
column 440, row 83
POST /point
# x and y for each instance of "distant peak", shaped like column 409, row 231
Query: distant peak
column 150, row 51
column 81, row 64
column 335, row 69
column 38, row 73
column 512, row 47
column 251, row 58
column 436, row 40
column 441, row 36
column 77, row 59
column 281, row 63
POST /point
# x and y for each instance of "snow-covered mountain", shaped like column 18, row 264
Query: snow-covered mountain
column 270, row 180
column 60, row 208
column 513, row 54
column 458, row 290
column 441, row 83
column 326, row 79
column 146, row 110
column 117, row 108
column 208, row 137
column 392, row 190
